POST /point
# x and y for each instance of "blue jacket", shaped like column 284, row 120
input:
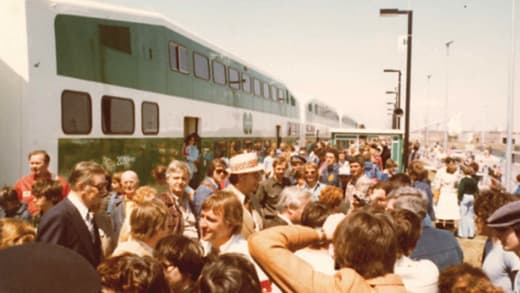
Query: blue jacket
column 439, row 246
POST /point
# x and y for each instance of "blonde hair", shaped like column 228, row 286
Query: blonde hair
column 15, row 232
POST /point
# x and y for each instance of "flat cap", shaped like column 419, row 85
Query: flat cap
column 505, row 216
column 298, row 159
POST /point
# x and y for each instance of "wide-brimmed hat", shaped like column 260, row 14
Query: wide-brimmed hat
column 244, row 163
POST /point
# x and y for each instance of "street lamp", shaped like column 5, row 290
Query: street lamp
column 393, row 12
column 397, row 119
column 448, row 44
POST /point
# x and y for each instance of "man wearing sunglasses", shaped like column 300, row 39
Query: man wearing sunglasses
column 70, row 223
column 215, row 175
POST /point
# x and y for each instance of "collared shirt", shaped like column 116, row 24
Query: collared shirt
column 315, row 190
column 268, row 195
column 85, row 213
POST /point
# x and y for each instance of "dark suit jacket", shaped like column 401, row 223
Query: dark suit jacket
column 63, row 225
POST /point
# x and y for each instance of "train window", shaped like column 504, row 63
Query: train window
column 183, row 55
column 76, row 112
column 201, row 67
column 115, row 37
column 234, row 78
column 117, row 115
column 257, row 87
column 246, row 84
column 266, row 90
column 150, row 118
column 293, row 101
column 280, row 95
column 273, row 93
column 178, row 57
column 315, row 108
column 309, row 108
column 219, row 73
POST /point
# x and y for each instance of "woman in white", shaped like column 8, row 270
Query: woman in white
column 445, row 184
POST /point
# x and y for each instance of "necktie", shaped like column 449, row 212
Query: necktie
column 90, row 225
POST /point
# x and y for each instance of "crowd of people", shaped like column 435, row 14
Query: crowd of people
column 302, row 220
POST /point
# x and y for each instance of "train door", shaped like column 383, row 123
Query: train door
column 191, row 125
column 278, row 136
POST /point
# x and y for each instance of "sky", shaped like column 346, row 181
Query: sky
column 336, row 51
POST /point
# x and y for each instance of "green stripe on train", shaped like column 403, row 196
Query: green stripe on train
column 145, row 64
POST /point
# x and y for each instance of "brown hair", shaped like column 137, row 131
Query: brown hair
column 131, row 273
column 147, row 219
column 83, row 172
column 226, row 204
column 416, row 171
column 159, row 174
column 48, row 188
column 465, row 278
column 407, row 229
column 15, row 232
column 331, row 196
column 144, row 193
column 46, row 157
column 280, row 160
column 365, row 241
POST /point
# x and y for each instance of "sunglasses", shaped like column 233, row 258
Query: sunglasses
column 221, row 171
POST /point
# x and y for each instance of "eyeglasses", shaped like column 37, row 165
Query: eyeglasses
column 221, row 171
column 101, row 186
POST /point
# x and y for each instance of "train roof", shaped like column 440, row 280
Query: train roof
column 121, row 13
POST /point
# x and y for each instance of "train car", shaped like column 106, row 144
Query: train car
column 348, row 122
column 90, row 81
column 319, row 118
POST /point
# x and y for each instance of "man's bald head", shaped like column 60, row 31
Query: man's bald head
column 129, row 182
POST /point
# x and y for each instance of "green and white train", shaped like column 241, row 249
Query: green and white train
column 90, row 81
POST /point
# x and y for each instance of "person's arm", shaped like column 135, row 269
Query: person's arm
column 272, row 249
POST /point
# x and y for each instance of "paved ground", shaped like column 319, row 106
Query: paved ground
column 473, row 250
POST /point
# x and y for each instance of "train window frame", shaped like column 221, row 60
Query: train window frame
column 266, row 90
column 103, row 126
column 279, row 95
column 236, row 85
column 89, row 112
column 214, row 75
column 246, row 77
column 197, row 54
column 143, row 130
column 176, row 47
column 273, row 93
column 255, row 82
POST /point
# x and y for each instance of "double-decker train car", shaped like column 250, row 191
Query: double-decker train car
column 318, row 119
column 89, row 81
column 348, row 122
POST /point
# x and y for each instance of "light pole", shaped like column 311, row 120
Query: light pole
column 429, row 76
column 397, row 119
column 392, row 12
column 511, row 103
column 448, row 44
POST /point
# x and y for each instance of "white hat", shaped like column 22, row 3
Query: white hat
column 244, row 163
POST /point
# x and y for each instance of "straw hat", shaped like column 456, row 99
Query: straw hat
column 244, row 163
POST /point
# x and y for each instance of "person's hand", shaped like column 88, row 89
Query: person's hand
column 331, row 223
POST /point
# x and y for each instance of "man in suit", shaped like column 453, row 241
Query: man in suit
column 70, row 223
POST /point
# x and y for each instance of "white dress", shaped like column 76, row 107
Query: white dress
column 447, row 207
